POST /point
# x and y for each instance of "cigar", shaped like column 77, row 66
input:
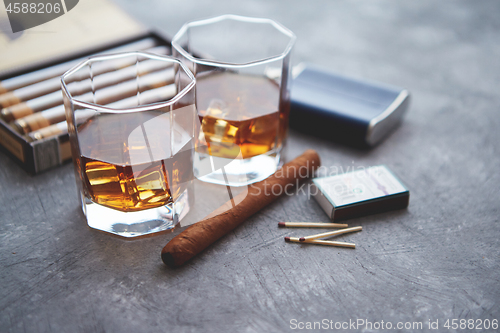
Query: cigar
column 49, row 131
column 59, row 69
column 46, row 94
column 147, row 97
column 311, row 225
column 100, row 81
column 321, row 242
column 330, row 234
column 103, row 96
column 199, row 236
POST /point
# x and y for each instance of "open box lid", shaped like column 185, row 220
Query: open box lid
column 90, row 24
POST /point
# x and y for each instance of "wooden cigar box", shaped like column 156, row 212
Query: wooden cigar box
column 98, row 26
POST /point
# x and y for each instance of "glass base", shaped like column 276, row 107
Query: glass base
column 236, row 172
column 135, row 224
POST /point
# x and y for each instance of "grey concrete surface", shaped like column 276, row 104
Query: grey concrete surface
column 435, row 261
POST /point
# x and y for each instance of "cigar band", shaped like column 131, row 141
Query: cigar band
column 45, row 132
column 19, row 110
column 33, row 122
column 7, row 99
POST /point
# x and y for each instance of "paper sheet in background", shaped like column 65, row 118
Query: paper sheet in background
column 91, row 23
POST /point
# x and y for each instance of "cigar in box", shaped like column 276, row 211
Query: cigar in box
column 19, row 88
column 147, row 97
column 50, row 150
column 46, row 94
column 106, row 92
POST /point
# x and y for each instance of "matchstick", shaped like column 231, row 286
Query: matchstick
column 46, row 94
column 311, row 225
column 43, row 74
column 331, row 233
column 321, row 242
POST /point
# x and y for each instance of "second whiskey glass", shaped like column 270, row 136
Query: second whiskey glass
column 242, row 68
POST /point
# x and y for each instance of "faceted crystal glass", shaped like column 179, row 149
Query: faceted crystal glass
column 242, row 68
column 132, row 142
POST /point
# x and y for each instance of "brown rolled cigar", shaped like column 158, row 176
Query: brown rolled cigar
column 147, row 97
column 46, row 94
column 43, row 74
column 100, row 81
column 103, row 96
column 199, row 236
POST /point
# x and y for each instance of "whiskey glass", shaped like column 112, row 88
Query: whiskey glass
column 242, row 70
column 132, row 143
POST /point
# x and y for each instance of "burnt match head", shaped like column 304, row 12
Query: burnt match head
column 287, row 239
column 302, row 239
column 281, row 224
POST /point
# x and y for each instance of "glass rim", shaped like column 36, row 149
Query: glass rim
column 183, row 30
column 146, row 107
